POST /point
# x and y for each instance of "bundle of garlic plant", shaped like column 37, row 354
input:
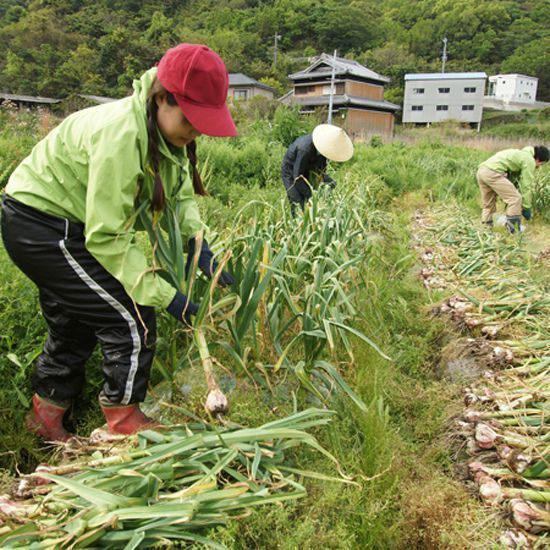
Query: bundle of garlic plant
column 510, row 439
column 295, row 299
column 303, row 276
column 490, row 272
column 170, row 262
column 163, row 487
column 506, row 423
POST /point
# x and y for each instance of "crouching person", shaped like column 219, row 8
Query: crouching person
column 69, row 223
column 305, row 161
column 509, row 174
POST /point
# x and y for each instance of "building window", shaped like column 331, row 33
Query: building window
column 240, row 94
column 417, row 107
column 418, row 90
column 467, row 107
column 338, row 89
column 444, row 90
column 300, row 90
column 442, row 108
column 469, row 90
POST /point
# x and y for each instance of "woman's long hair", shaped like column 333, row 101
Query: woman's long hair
column 159, row 198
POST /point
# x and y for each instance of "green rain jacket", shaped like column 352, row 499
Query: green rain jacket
column 518, row 165
column 94, row 168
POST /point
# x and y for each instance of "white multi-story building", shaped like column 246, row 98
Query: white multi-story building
column 513, row 88
column 435, row 97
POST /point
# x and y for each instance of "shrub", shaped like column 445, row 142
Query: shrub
column 519, row 130
column 19, row 131
column 289, row 124
column 246, row 161
column 376, row 141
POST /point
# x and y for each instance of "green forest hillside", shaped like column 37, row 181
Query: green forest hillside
column 59, row 47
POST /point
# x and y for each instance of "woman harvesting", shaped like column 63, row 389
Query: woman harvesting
column 69, row 223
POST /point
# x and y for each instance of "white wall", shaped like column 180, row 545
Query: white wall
column 514, row 87
column 455, row 100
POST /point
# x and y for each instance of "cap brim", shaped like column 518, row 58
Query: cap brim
column 210, row 121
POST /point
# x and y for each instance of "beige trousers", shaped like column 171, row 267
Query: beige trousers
column 492, row 185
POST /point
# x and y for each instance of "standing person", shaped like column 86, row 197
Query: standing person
column 495, row 177
column 305, row 161
column 69, row 223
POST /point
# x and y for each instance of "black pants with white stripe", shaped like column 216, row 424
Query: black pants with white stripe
column 83, row 304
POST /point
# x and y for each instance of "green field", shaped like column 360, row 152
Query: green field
column 334, row 314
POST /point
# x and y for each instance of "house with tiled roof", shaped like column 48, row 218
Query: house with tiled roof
column 244, row 88
column 358, row 98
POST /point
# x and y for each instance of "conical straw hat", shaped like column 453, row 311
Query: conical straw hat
column 332, row 142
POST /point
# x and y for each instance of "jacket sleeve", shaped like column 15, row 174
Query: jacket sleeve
column 527, row 181
column 300, row 172
column 114, row 169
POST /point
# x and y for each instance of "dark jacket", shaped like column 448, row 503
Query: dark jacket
column 303, row 162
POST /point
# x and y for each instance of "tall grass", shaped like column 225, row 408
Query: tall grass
column 21, row 339
column 438, row 170
column 19, row 131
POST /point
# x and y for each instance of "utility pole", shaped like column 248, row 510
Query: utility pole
column 444, row 56
column 277, row 37
column 330, row 101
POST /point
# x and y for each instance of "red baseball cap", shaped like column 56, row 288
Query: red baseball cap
column 197, row 78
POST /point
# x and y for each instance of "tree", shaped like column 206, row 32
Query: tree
column 345, row 27
column 230, row 46
column 392, row 60
column 161, row 32
column 80, row 72
column 532, row 60
column 17, row 75
column 11, row 12
column 56, row 45
column 123, row 55
column 32, row 49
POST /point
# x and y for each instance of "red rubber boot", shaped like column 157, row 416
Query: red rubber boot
column 126, row 419
column 45, row 419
